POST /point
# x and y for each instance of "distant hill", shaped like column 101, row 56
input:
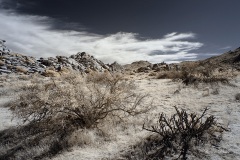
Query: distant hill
column 85, row 63
column 229, row 58
column 81, row 62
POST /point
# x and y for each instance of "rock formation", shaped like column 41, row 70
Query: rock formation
column 17, row 63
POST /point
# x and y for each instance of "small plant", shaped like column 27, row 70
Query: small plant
column 178, row 136
column 237, row 96
column 182, row 131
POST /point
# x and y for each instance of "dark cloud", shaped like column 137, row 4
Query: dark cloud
column 159, row 52
column 215, row 22
column 30, row 35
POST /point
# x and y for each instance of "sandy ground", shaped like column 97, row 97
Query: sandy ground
column 164, row 95
column 6, row 118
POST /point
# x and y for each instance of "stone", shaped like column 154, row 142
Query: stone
column 8, row 62
column 3, row 67
column 143, row 69
column 4, row 71
column 42, row 65
column 115, row 67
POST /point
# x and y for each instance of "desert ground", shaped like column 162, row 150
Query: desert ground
column 163, row 95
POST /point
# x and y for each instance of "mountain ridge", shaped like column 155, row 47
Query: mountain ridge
column 85, row 63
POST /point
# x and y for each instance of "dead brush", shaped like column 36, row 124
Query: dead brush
column 63, row 105
column 170, row 75
column 178, row 136
column 76, row 102
column 193, row 74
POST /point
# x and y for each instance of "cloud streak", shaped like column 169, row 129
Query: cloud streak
column 33, row 35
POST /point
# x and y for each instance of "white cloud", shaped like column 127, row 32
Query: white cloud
column 226, row 47
column 30, row 36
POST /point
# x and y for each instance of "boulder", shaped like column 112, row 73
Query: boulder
column 115, row 67
column 5, row 71
column 143, row 69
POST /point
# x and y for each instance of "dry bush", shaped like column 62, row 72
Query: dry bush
column 194, row 73
column 21, row 69
column 178, row 136
column 24, row 77
column 170, row 75
column 152, row 74
column 200, row 73
column 76, row 102
column 56, row 109
column 50, row 73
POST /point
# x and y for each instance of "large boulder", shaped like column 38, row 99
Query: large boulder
column 3, row 49
column 115, row 67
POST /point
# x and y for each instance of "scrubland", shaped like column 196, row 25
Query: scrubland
column 120, row 116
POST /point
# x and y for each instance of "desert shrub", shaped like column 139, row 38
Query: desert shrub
column 170, row 75
column 24, row 77
column 152, row 74
column 202, row 73
column 21, row 69
column 50, row 73
column 77, row 103
column 194, row 73
column 178, row 136
column 215, row 91
column 54, row 111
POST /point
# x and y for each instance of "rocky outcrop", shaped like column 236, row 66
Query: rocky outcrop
column 115, row 67
column 136, row 65
column 89, row 62
column 229, row 57
column 145, row 66
column 228, row 60
column 17, row 63
column 3, row 48
column 81, row 62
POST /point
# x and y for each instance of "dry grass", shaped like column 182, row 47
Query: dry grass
column 152, row 74
column 21, row 69
column 56, row 112
column 194, row 73
column 170, row 75
column 51, row 73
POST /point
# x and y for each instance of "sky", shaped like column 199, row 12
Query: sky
column 121, row 30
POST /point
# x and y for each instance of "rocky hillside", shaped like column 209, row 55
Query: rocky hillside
column 223, row 62
column 85, row 63
column 230, row 59
column 82, row 62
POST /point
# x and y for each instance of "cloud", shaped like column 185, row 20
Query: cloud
column 226, row 47
column 34, row 36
